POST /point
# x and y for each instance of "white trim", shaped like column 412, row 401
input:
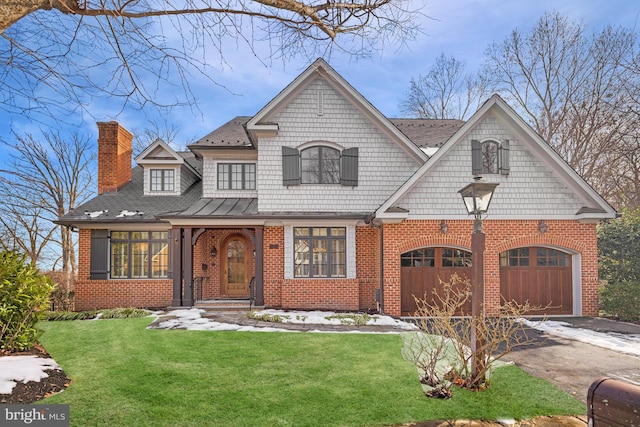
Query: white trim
column 576, row 282
column 319, row 142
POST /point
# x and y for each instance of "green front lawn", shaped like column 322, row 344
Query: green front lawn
column 126, row 375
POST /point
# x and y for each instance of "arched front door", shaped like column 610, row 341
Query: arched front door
column 236, row 267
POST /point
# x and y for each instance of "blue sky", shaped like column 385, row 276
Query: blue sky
column 461, row 28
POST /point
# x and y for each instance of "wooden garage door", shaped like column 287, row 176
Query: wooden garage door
column 421, row 271
column 541, row 276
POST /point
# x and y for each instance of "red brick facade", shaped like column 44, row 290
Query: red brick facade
column 94, row 294
column 569, row 236
column 358, row 293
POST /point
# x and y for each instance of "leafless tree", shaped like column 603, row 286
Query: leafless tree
column 446, row 91
column 164, row 130
column 568, row 84
column 46, row 178
column 23, row 228
column 67, row 53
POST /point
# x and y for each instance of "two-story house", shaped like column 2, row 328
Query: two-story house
column 320, row 202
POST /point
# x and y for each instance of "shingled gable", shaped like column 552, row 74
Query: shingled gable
column 262, row 125
column 159, row 152
column 595, row 209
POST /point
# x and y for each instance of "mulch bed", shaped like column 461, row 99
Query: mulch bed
column 32, row 391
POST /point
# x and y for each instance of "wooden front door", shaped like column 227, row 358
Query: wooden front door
column 236, row 267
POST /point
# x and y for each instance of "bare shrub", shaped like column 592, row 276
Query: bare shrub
column 442, row 350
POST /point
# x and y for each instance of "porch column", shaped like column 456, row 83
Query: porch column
column 176, row 265
column 187, row 267
column 259, row 295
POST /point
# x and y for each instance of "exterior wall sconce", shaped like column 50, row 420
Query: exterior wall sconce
column 214, row 251
column 542, row 226
column 444, row 227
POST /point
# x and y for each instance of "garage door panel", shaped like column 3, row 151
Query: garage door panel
column 423, row 281
column 540, row 284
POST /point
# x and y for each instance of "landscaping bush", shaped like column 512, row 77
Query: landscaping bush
column 621, row 300
column 24, row 295
column 123, row 313
column 619, row 265
column 70, row 315
column 111, row 313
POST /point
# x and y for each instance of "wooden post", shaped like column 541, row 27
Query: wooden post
column 477, row 300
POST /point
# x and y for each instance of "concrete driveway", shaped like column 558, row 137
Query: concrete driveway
column 572, row 365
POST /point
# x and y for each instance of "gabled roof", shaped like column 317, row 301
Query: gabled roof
column 595, row 208
column 260, row 123
column 160, row 153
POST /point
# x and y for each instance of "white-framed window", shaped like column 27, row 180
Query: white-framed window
column 236, row 176
column 319, row 252
column 162, row 180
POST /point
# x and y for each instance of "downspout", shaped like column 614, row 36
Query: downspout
column 371, row 220
column 381, row 268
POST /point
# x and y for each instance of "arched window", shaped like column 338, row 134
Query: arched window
column 320, row 165
column 490, row 157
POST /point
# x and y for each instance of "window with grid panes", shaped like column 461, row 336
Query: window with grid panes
column 236, row 176
column 319, row 252
column 515, row 258
column 139, row 254
column 162, row 180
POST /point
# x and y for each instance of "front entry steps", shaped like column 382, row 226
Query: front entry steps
column 226, row 305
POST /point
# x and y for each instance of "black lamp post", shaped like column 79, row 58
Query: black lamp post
column 477, row 197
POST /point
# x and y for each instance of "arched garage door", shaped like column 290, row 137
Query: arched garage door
column 422, row 269
column 541, row 276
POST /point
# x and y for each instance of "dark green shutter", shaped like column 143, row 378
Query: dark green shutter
column 476, row 157
column 504, row 157
column 290, row 166
column 99, row 262
column 349, row 167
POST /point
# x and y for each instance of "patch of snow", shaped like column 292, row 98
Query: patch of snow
column 331, row 318
column 14, row 369
column 191, row 319
column 623, row 343
column 125, row 212
column 429, row 151
column 95, row 214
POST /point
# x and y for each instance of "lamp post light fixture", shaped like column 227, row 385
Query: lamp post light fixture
column 477, row 197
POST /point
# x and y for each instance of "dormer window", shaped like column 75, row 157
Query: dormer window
column 490, row 157
column 162, row 180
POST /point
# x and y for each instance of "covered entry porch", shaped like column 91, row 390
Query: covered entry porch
column 217, row 251
column 217, row 264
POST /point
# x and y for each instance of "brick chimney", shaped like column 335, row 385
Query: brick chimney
column 114, row 156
